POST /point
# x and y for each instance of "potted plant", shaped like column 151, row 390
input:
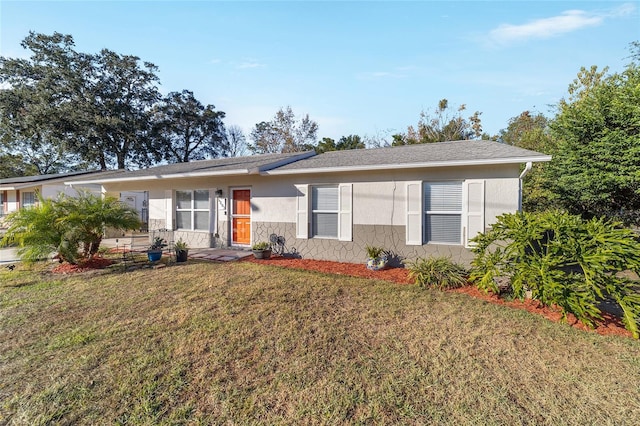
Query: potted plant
column 182, row 251
column 261, row 250
column 154, row 253
column 377, row 258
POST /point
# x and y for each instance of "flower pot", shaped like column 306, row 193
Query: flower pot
column 262, row 254
column 182, row 255
column 377, row 263
column 154, row 255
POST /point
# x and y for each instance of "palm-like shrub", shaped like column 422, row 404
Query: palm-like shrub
column 88, row 215
column 562, row 260
column 38, row 232
column 438, row 272
column 64, row 224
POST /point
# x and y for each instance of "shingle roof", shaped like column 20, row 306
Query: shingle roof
column 422, row 155
column 41, row 178
column 218, row 166
column 28, row 181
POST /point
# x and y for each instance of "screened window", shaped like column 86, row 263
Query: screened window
column 324, row 211
column 28, row 199
column 193, row 210
column 443, row 211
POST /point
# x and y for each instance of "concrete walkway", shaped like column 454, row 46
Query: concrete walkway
column 218, row 254
column 8, row 255
column 214, row 254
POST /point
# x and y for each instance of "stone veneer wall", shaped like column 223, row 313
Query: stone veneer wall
column 389, row 237
column 194, row 239
column 157, row 224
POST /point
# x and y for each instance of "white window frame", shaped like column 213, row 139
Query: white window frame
column 23, row 204
column 459, row 213
column 193, row 210
column 473, row 212
column 304, row 213
column 314, row 212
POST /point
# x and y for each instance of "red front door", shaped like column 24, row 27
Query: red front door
column 241, row 216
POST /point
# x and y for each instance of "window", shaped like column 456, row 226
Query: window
column 193, row 210
column 443, row 210
column 324, row 211
column 28, row 199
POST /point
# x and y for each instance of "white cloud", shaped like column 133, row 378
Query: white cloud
column 545, row 28
column 250, row 63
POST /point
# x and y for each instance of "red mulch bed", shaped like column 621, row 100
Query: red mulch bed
column 609, row 326
column 83, row 266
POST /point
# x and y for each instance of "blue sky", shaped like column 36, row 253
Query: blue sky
column 366, row 68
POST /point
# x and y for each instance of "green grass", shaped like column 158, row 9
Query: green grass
column 242, row 343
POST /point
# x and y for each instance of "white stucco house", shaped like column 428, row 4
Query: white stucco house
column 413, row 200
column 21, row 192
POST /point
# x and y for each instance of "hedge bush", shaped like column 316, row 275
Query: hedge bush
column 563, row 260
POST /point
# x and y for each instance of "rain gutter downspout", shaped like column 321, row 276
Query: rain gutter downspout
column 527, row 169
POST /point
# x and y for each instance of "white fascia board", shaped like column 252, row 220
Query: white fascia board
column 516, row 160
column 158, row 177
column 19, row 186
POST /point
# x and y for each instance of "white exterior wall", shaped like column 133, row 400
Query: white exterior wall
column 52, row 190
column 157, row 205
column 379, row 197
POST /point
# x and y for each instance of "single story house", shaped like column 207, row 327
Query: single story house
column 415, row 200
column 21, row 192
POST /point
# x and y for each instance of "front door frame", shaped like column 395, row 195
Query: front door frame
column 233, row 215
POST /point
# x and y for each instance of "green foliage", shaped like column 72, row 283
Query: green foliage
column 39, row 231
column 531, row 131
column 14, row 165
column 158, row 243
column 62, row 106
column 438, row 272
column 262, row 245
column 345, row 142
column 595, row 167
column 186, row 130
column 66, row 224
column 563, row 260
column 374, row 252
column 180, row 245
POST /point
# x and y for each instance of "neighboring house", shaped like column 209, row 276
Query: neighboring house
column 413, row 200
column 21, row 192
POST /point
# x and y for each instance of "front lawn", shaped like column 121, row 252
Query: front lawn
column 241, row 343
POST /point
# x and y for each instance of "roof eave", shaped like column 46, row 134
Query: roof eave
column 235, row 172
column 511, row 160
column 288, row 160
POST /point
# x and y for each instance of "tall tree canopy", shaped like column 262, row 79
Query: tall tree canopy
column 185, row 130
column 31, row 101
column 284, row 133
column 91, row 106
column 442, row 125
column 345, row 142
column 595, row 171
column 531, row 131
